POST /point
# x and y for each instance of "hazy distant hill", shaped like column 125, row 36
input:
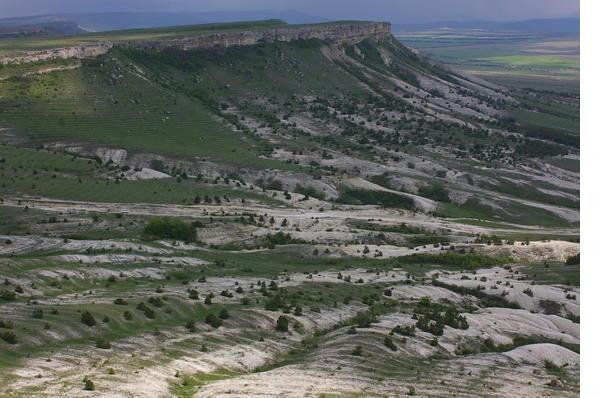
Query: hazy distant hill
column 552, row 26
column 129, row 20
column 48, row 29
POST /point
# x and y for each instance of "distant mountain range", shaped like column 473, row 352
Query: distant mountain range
column 68, row 24
column 131, row 20
column 551, row 26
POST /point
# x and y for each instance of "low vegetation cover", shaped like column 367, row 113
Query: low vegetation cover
column 285, row 216
column 457, row 260
column 170, row 228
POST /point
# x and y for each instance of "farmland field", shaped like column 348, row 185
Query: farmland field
column 516, row 59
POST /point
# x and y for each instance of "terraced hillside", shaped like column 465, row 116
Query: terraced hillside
column 269, row 209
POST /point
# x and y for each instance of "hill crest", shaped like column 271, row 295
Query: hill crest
column 203, row 36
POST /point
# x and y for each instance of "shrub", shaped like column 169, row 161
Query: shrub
column 279, row 239
column 170, row 228
column 7, row 324
column 37, row 313
column 148, row 312
column 128, row 316
column 224, row 314
column 549, row 365
column 364, row 319
column 357, row 351
column 7, row 295
column 9, row 336
column 87, row 318
column 191, row 326
column 274, row 303
column 573, row 260
column 120, row 301
column 282, row 323
column 405, row 330
column 389, row 343
column 88, row 385
column 103, row 343
column 213, row 320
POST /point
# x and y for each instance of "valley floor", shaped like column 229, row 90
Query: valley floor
column 505, row 325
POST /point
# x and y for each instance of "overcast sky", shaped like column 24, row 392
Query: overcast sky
column 399, row 11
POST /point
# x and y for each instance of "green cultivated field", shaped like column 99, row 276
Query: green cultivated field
column 515, row 59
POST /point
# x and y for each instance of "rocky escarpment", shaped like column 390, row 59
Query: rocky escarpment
column 83, row 51
column 335, row 32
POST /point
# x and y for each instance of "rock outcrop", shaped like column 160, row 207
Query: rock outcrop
column 83, row 51
column 334, row 31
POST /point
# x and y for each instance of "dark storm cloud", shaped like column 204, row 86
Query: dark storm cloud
column 401, row 11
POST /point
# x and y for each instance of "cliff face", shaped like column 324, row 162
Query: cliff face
column 331, row 32
column 84, row 51
column 335, row 32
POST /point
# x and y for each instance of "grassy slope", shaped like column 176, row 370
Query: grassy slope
column 105, row 103
column 56, row 175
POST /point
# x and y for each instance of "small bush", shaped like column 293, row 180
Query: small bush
column 213, row 320
column 9, row 336
column 7, row 295
column 191, row 326
column 549, row 365
column 389, row 343
column 7, row 324
column 357, row 351
column 364, row 319
column 282, row 323
column 88, row 319
column 88, row 385
column 224, row 314
column 103, row 343
column 573, row 260
column 404, row 330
